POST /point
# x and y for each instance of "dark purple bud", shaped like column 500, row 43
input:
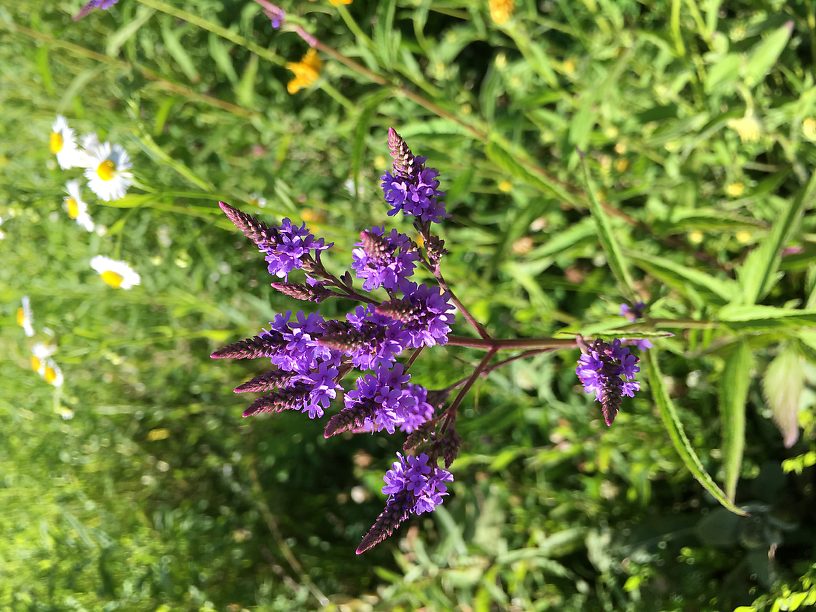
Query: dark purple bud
column 447, row 445
column 396, row 511
column 417, row 437
column 273, row 379
column 263, row 345
column 254, row 229
column 314, row 293
column 399, row 310
column 291, row 398
column 404, row 160
column 436, row 249
column 348, row 419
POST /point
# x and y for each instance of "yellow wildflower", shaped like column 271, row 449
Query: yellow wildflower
column 809, row 129
column 501, row 10
column 621, row 164
column 306, row 72
column 735, row 189
column 743, row 236
column 505, row 186
column 339, row 2
column 695, row 237
column 748, row 128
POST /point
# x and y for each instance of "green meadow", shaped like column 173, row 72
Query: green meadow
column 593, row 153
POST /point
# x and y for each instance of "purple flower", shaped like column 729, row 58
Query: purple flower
column 298, row 349
column 102, row 5
column 413, row 487
column 634, row 312
column 290, row 247
column 275, row 13
column 423, row 312
column 424, row 482
column 383, row 260
column 411, row 188
column 608, row 370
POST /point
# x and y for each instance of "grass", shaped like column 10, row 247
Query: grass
column 137, row 485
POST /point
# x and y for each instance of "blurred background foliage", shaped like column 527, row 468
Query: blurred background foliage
column 137, row 485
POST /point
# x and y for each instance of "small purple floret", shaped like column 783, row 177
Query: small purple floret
column 93, row 5
column 424, row 312
column 634, row 312
column 608, row 371
column 425, row 483
column 383, row 260
column 290, row 248
column 416, row 193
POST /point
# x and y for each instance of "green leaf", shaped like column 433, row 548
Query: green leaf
column 123, row 34
column 671, row 420
column 614, row 254
column 723, row 74
column 758, row 273
column 179, row 53
column 689, row 281
column 765, row 318
column 221, row 57
column 782, row 387
column 501, row 154
column 765, row 55
column 733, row 394
column 245, row 90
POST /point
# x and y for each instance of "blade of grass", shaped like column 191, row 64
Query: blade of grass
column 681, row 443
column 760, row 268
column 733, row 395
column 614, row 254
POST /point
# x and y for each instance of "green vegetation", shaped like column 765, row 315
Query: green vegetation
column 137, row 485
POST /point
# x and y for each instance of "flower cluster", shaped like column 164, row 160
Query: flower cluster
column 310, row 355
column 608, row 371
column 106, row 168
column 413, row 487
column 41, row 353
column 412, row 187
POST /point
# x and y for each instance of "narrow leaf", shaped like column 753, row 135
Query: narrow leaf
column 688, row 281
column 733, row 394
column 759, row 271
column 614, row 254
column 766, row 53
column 782, row 387
column 671, row 420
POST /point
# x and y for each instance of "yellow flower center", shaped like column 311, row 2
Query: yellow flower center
column 55, row 142
column 112, row 279
column 35, row 363
column 73, row 207
column 106, row 170
column 50, row 375
column 21, row 317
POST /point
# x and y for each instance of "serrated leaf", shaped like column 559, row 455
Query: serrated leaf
column 782, row 387
column 733, row 394
column 758, row 273
column 614, row 254
column 765, row 54
column 674, row 427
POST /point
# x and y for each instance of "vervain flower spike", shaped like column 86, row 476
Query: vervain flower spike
column 310, row 356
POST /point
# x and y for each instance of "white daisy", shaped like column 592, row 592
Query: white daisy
column 108, row 171
column 116, row 274
column 52, row 373
column 63, row 144
column 24, row 317
column 76, row 207
column 40, row 353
